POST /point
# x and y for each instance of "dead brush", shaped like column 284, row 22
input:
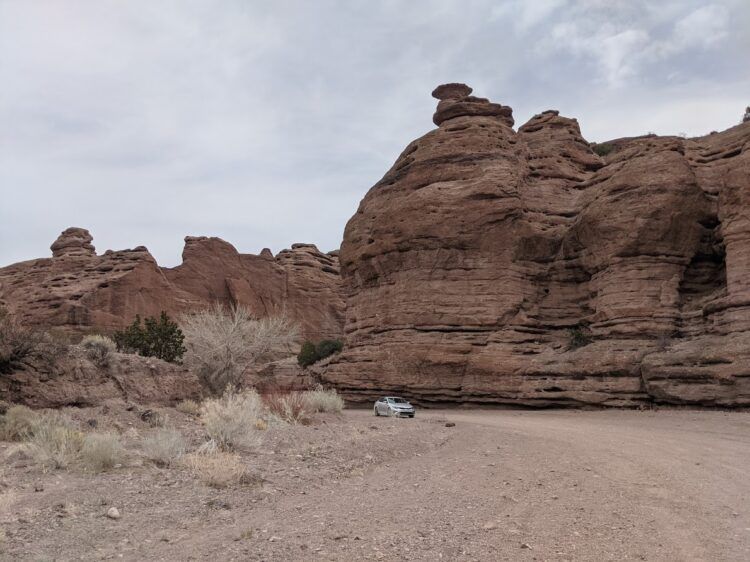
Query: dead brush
column 219, row 469
column 18, row 422
column 102, row 451
column 164, row 446
column 98, row 349
column 53, row 445
column 324, row 400
column 189, row 407
column 288, row 407
column 230, row 421
column 49, row 437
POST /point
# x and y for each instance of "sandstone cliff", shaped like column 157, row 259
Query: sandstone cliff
column 493, row 265
column 77, row 289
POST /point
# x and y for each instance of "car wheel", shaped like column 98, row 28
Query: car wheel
column 375, row 409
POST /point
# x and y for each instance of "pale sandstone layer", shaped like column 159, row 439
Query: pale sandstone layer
column 468, row 264
column 79, row 290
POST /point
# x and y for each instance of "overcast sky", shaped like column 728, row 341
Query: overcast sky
column 265, row 123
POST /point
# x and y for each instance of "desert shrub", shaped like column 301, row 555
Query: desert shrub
column 18, row 343
column 230, row 420
column 164, row 447
column 54, row 445
column 18, row 423
column 307, row 354
column 4, row 407
column 102, row 451
column 323, row 400
column 99, row 349
column 288, row 407
column 578, row 336
column 312, row 353
column 602, row 149
column 222, row 343
column 160, row 338
column 218, row 469
column 154, row 418
column 190, row 407
column 50, row 437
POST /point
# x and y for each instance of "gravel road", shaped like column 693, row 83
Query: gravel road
column 550, row 485
column 499, row 485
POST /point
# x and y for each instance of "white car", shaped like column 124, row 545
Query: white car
column 394, row 406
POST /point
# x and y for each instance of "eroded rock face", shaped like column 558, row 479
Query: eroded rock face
column 79, row 290
column 486, row 255
column 72, row 380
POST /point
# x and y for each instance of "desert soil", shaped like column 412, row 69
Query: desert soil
column 500, row 485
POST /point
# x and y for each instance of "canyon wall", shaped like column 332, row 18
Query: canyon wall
column 501, row 266
column 78, row 290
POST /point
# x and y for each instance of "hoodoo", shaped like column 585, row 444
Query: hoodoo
column 530, row 267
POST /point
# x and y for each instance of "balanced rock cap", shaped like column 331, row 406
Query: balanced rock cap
column 452, row 91
column 456, row 101
column 73, row 241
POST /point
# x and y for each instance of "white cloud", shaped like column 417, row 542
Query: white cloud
column 265, row 123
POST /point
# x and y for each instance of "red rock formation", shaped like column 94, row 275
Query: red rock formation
column 485, row 254
column 72, row 380
column 78, row 290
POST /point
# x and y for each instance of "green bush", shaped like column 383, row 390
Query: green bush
column 312, row 353
column 578, row 337
column 307, row 355
column 603, row 149
column 160, row 338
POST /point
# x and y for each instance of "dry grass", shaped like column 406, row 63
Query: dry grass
column 189, row 407
column 222, row 343
column 288, row 407
column 230, row 420
column 219, row 469
column 164, row 447
column 99, row 349
column 53, row 445
column 102, row 451
column 7, row 499
column 50, row 437
column 18, row 423
column 322, row 400
column 154, row 418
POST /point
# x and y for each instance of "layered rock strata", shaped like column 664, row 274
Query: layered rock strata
column 501, row 266
column 79, row 290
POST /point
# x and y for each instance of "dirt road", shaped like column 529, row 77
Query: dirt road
column 613, row 485
column 500, row 485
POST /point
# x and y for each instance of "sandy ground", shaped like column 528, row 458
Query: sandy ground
column 500, row 485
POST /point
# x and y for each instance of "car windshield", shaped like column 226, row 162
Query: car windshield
column 399, row 401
